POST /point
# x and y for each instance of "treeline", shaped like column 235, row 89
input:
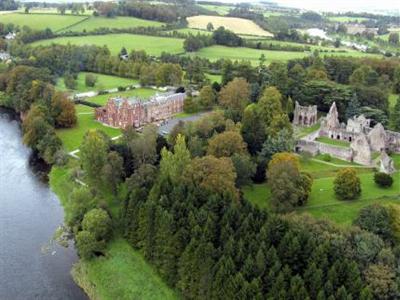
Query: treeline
column 8, row 5
column 29, row 92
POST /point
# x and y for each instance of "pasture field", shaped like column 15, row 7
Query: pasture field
column 347, row 19
column 121, row 274
column 143, row 93
column 104, row 82
column 237, row 25
column 214, row 78
column 219, row 9
column 72, row 137
column 41, row 21
column 253, row 55
column 323, row 203
column 54, row 11
column 153, row 45
column 93, row 23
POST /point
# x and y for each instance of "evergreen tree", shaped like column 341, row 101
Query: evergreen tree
column 353, row 108
column 395, row 116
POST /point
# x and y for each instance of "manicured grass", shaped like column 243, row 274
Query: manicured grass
column 93, row 23
column 333, row 142
column 41, row 21
column 121, row 274
column 214, row 78
column 153, row 45
column 143, row 93
column 83, row 109
column 72, row 137
column 237, row 25
column 323, row 203
column 104, row 82
column 304, row 131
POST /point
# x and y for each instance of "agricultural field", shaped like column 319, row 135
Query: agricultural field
column 322, row 202
column 72, row 137
column 41, row 21
column 219, row 9
column 347, row 19
column 237, row 25
column 128, row 268
column 142, row 93
column 153, row 45
column 253, row 55
column 104, row 82
column 93, row 23
column 54, row 11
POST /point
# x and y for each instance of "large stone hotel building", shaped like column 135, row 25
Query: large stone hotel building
column 124, row 112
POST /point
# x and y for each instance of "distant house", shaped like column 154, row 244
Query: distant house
column 4, row 56
column 10, row 36
column 123, row 112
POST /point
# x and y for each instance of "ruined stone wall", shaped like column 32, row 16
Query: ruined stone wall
column 315, row 148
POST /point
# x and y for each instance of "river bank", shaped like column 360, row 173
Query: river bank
column 32, row 265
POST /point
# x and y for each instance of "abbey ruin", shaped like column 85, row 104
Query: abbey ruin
column 367, row 145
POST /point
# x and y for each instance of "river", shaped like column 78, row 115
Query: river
column 31, row 265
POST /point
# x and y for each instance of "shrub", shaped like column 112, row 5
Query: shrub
column 383, row 180
column 326, row 157
column 98, row 222
column 87, row 244
column 69, row 81
column 121, row 89
column 347, row 185
column 90, row 80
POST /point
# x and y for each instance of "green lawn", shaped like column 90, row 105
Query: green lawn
column 121, row 274
column 143, row 93
column 304, row 131
column 214, row 78
column 393, row 100
column 93, row 23
column 41, row 21
column 323, row 204
column 153, row 45
column 220, row 9
column 333, row 142
column 83, row 109
column 72, row 137
column 104, row 82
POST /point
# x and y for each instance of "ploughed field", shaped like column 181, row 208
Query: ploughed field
column 237, row 25
column 153, row 45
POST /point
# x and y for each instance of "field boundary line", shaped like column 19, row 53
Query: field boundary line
column 74, row 24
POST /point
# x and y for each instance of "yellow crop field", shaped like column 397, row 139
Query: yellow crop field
column 237, row 25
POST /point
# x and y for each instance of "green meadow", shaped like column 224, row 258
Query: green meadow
column 153, row 45
column 121, row 274
column 72, row 137
column 93, row 23
column 143, row 93
column 345, row 19
column 323, row 203
column 219, row 9
column 41, row 21
column 103, row 82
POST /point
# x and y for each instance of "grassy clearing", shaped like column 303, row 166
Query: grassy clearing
column 104, row 82
column 304, row 131
column 151, row 44
column 323, row 204
column 237, row 25
column 41, row 21
column 214, row 78
column 393, row 100
column 333, row 142
column 72, row 137
column 93, row 23
column 83, row 109
column 143, row 93
column 121, row 274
